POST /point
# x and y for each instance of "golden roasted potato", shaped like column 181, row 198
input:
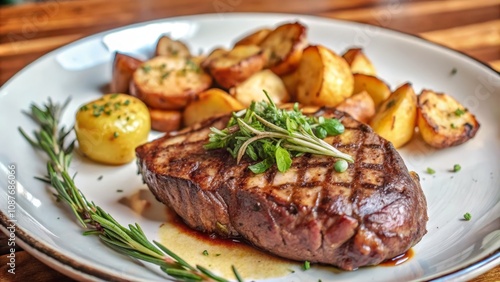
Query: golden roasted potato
column 378, row 90
column 252, row 89
column 110, row 128
column 166, row 46
column 232, row 67
column 291, row 80
column 444, row 122
column 360, row 106
column 396, row 118
column 358, row 62
column 210, row 103
column 283, row 47
column 169, row 83
column 123, row 69
column 255, row 38
column 324, row 78
column 165, row 120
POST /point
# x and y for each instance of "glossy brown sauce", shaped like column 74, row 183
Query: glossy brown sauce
column 219, row 254
column 397, row 260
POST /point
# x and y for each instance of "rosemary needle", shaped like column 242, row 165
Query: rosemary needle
column 131, row 241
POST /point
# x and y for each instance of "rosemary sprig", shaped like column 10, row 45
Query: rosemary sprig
column 272, row 135
column 130, row 241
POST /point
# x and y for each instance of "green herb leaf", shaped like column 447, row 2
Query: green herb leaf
column 467, row 216
column 430, row 170
column 283, row 159
column 262, row 166
column 456, row 168
column 272, row 135
column 459, row 112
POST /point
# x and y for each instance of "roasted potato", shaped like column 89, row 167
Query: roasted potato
column 210, row 103
column 283, row 47
column 166, row 46
column 110, row 128
column 396, row 118
column 165, row 120
column 255, row 38
column 230, row 68
column 169, row 83
column 358, row 62
column 291, row 80
column 252, row 89
column 123, row 69
column 324, row 78
column 378, row 90
column 360, row 106
column 444, row 122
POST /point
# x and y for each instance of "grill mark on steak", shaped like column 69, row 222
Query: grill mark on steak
column 373, row 211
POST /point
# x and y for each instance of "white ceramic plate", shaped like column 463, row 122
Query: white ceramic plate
column 452, row 248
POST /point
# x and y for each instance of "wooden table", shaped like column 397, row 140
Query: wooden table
column 28, row 31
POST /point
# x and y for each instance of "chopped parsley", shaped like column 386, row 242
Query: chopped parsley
column 430, row 170
column 459, row 112
column 205, row 252
column 307, row 265
column 467, row 216
column 146, row 68
column 456, row 168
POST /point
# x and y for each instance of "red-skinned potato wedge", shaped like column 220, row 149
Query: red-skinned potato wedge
column 252, row 89
column 324, row 78
column 360, row 106
column 123, row 69
column 378, row 90
column 442, row 121
column 165, row 120
column 166, row 46
column 283, row 47
column 359, row 62
column 230, row 68
column 169, row 83
column 209, row 103
column 397, row 116
column 254, row 38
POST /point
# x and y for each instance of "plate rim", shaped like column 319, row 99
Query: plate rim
column 76, row 268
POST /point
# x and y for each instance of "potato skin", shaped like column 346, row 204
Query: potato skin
column 166, row 46
column 110, row 128
column 397, row 116
column 165, row 120
column 232, row 67
column 283, row 47
column 254, row 38
column 211, row 102
column 169, row 83
column 443, row 122
column 360, row 106
column 324, row 78
column 123, row 69
column 252, row 89
column 359, row 62
column 378, row 89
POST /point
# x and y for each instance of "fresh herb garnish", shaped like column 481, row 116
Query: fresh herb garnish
column 307, row 265
column 459, row 112
column 467, row 216
column 270, row 135
column 430, row 170
column 205, row 253
column 456, row 168
column 131, row 241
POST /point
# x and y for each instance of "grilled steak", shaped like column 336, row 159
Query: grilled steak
column 372, row 212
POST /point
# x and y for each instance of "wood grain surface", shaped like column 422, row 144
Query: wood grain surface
column 28, row 31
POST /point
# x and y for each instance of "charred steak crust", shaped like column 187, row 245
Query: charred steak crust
column 372, row 212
